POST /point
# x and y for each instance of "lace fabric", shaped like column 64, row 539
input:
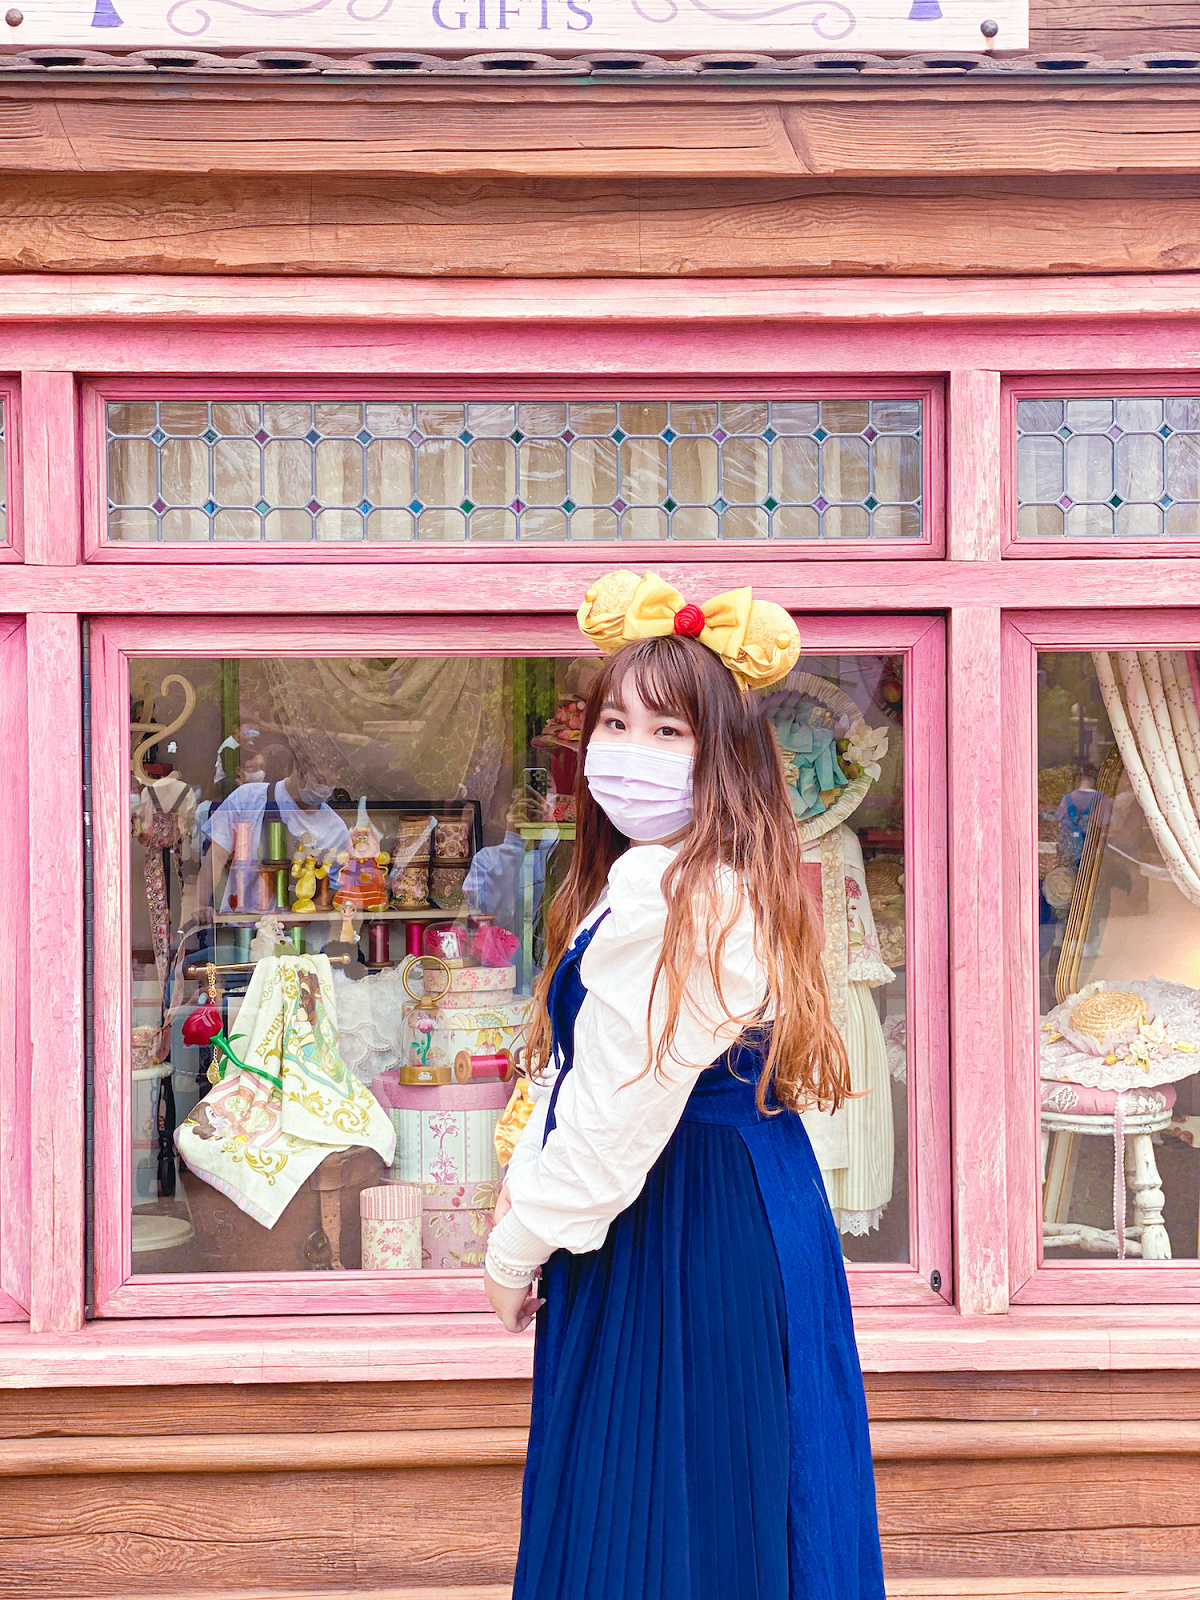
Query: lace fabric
column 370, row 1013
column 1175, row 1005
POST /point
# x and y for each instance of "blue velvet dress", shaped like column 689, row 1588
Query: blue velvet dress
column 699, row 1427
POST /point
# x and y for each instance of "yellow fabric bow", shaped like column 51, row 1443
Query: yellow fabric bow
column 756, row 639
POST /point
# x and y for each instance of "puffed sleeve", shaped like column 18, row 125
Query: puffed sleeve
column 611, row 1125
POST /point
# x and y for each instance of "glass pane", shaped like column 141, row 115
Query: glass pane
column 1123, row 468
column 356, row 813
column 316, row 831
column 3, row 473
column 501, row 470
column 1118, row 840
column 839, row 722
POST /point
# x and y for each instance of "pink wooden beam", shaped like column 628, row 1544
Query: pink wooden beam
column 873, row 300
column 976, row 961
column 14, row 982
column 490, row 588
column 50, row 468
column 538, row 359
column 973, row 504
column 55, row 692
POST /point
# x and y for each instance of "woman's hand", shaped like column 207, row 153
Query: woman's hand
column 516, row 1308
column 503, row 1206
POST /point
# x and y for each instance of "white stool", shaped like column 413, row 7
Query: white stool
column 1147, row 1237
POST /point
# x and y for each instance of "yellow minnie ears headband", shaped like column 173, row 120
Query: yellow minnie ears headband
column 756, row 639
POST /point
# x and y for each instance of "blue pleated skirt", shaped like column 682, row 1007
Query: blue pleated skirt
column 699, row 1428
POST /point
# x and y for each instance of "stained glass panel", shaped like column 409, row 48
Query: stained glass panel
column 299, row 471
column 1121, row 468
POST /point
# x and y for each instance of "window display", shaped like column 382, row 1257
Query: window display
column 303, row 470
column 338, row 873
column 1119, row 872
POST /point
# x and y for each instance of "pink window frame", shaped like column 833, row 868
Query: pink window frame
column 120, row 1294
column 12, row 546
column 1068, row 385
column 100, row 548
column 14, row 979
column 1036, row 1280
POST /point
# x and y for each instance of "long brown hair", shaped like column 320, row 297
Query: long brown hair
column 742, row 820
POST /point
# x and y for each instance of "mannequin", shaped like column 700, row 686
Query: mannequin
column 163, row 819
column 831, row 759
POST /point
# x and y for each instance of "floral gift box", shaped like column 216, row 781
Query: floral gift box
column 455, row 1224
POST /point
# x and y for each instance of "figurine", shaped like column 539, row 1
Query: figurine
column 306, row 873
column 268, row 935
column 361, row 882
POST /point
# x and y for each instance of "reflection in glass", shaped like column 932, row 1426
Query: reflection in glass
column 338, row 876
column 305, row 471
column 1119, row 909
column 840, row 723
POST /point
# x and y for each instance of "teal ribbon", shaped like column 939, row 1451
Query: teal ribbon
column 815, row 753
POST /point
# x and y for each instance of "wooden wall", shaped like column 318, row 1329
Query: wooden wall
column 601, row 227
column 989, row 1483
column 1114, row 28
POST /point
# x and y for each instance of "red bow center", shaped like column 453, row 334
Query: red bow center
column 689, row 621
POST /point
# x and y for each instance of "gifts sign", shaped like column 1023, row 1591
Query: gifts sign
column 670, row 27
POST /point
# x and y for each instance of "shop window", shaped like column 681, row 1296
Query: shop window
column 3, row 470
column 328, row 472
column 335, row 879
column 1118, row 841
column 14, row 981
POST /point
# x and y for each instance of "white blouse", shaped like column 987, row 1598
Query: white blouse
column 609, row 1131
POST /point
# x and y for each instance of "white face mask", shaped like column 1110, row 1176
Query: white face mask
column 645, row 793
column 315, row 794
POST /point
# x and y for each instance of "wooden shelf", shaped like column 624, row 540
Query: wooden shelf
column 248, row 919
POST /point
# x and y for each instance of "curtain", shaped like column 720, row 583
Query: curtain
column 432, row 728
column 1151, row 703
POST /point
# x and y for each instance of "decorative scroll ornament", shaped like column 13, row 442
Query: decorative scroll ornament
column 155, row 732
column 667, row 10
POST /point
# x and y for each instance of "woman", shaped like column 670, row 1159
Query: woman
column 699, row 1429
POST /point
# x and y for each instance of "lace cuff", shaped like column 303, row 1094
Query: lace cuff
column 514, row 1254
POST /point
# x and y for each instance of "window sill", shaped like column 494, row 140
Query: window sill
column 424, row 1347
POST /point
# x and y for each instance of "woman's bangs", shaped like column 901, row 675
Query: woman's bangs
column 663, row 677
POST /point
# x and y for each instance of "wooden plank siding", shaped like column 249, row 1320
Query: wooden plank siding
column 627, row 227
column 993, row 126
column 1114, row 29
column 982, row 1477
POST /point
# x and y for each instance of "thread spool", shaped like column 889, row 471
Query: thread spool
column 378, row 943
column 413, row 934
column 496, row 1068
column 276, row 842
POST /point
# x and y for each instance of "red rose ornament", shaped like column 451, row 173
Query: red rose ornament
column 203, row 1025
column 689, row 621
